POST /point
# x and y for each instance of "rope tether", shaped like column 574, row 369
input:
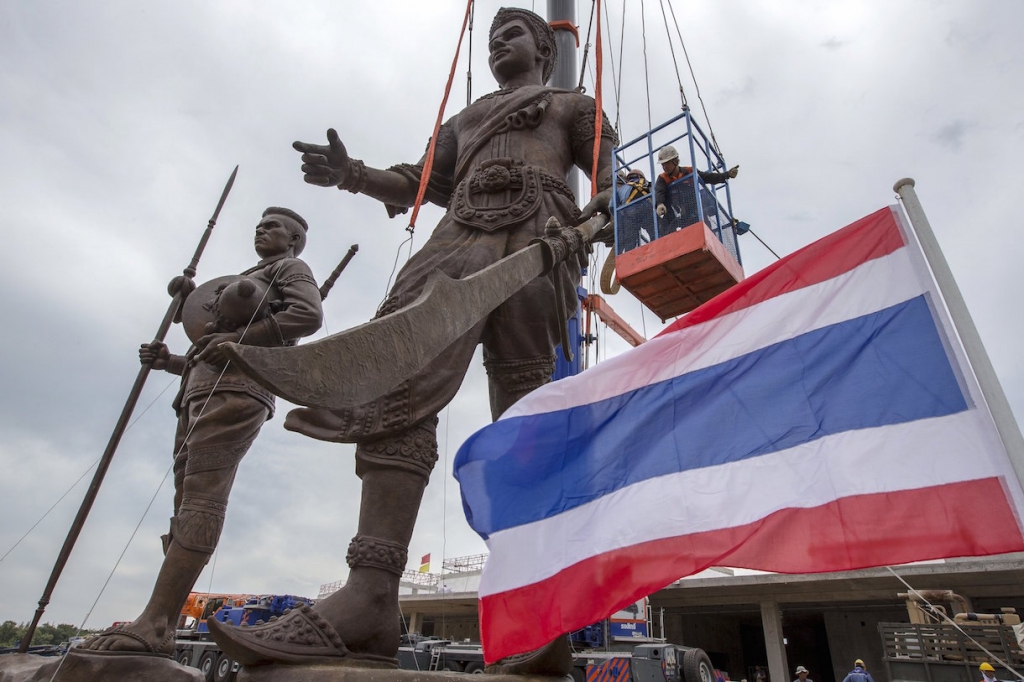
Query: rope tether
column 428, row 165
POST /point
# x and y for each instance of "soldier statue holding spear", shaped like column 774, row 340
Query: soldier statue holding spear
column 220, row 411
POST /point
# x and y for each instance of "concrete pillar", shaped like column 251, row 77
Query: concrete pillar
column 416, row 622
column 771, row 620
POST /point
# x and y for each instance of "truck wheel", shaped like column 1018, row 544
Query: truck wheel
column 223, row 671
column 207, row 665
column 185, row 658
column 454, row 666
column 578, row 675
column 697, row 667
column 475, row 668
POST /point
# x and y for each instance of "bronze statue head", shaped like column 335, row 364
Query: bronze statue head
column 293, row 235
column 542, row 34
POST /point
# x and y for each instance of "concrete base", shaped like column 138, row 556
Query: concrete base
column 345, row 673
column 85, row 667
column 82, row 667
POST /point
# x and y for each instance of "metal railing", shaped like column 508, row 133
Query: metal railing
column 690, row 199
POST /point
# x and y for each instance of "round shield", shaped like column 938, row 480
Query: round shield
column 224, row 304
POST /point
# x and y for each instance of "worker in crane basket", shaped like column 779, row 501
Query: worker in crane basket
column 674, row 197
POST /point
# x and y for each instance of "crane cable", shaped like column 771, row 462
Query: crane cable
column 469, row 57
column 617, row 79
column 598, row 100
column 693, row 76
column 675, row 64
column 428, row 163
column 647, row 75
column 586, row 48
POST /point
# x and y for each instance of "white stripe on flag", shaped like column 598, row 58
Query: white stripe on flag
column 911, row 455
column 868, row 288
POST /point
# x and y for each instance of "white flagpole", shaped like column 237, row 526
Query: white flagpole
column 991, row 389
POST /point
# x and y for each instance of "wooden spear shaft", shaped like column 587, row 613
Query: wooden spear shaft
column 119, row 428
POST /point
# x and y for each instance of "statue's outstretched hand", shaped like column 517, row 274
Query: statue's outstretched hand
column 601, row 203
column 154, row 354
column 325, row 165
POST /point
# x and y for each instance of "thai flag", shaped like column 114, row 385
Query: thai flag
column 819, row 416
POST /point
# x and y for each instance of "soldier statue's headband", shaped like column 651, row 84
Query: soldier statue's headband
column 277, row 210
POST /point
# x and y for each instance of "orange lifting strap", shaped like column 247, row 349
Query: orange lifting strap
column 428, row 165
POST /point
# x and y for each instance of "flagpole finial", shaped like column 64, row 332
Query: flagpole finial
column 901, row 182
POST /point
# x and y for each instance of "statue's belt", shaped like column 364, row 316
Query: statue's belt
column 503, row 192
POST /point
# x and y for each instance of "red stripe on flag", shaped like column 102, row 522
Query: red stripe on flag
column 425, row 559
column 869, row 238
column 971, row 518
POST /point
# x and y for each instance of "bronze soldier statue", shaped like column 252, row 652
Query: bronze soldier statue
column 500, row 167
column 220, row 412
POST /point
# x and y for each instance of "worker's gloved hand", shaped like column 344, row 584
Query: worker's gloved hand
column 733, row 172
column 661, row 210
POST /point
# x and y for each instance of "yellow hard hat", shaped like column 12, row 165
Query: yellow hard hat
column 986, row 667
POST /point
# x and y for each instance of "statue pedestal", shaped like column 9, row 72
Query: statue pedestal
column 346, row 673
column 88, row 667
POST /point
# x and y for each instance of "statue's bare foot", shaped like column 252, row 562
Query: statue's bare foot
column 357, row 624
column 138, row 637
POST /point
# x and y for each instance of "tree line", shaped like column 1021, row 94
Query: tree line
column 46, row 633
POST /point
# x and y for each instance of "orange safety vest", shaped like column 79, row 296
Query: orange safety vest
column 680, row 172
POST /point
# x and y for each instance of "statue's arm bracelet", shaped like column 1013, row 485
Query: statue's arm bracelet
column 357, row 177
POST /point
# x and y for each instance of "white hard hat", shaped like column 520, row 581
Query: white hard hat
column 667, row 153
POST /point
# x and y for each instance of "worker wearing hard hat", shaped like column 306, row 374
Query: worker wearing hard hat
column 681, row 206
column 859, row 673
column 988, row 673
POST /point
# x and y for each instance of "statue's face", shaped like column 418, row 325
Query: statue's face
column 513, row 50
column 275, row 234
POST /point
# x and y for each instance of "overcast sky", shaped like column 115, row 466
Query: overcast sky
column 121, row 121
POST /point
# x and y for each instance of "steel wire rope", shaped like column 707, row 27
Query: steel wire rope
column 469, row 55
column 617, row 80
column 586, row 45
column 647, row 76
column 110, row 575
column 84, row 473
column 675, row 64
column 252, row 318
column 693, row 76
column 956, row 625
column 444, row 520
column 394, row 266
column 156, row 493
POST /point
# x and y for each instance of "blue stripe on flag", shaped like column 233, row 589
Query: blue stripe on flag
column 888, row 367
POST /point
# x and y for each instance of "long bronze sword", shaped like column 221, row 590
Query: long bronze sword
column 181, row 291
column 363, row 363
